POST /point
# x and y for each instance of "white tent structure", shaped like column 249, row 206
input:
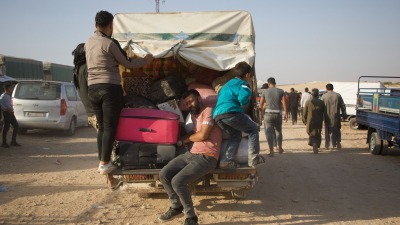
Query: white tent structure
column 348, row 91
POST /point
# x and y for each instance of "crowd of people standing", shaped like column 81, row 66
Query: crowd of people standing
column 316, row 112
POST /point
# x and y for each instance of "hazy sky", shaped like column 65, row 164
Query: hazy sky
column 297, row 41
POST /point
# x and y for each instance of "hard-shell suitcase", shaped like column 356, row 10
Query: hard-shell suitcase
column 134, row 155
column 148, row 126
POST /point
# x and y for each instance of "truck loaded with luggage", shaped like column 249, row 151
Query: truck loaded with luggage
column 194, row 50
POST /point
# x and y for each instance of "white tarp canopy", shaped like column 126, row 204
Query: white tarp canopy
column 216, row 40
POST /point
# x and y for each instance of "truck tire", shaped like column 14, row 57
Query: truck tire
column 385, row 147
column 353, row 124
column 238, row 194
column 375, row 144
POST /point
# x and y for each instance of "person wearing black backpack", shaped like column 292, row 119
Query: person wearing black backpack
column 81, row 81
column 105, row 92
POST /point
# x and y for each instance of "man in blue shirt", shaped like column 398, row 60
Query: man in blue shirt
column 9, row 117
column 229, row 115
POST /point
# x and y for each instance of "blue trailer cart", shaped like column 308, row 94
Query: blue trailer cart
column 379, row 112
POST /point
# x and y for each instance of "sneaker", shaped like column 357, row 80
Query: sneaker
column 258, row 160
column 228, row 165
column 170, row 214
column 5, row 145
column 338, row 145
column 271, row 155
column 15, row 144
column 192, row 221
column 281, row 150
column 106, row 169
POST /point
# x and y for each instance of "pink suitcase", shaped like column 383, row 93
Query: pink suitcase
column 148, row 126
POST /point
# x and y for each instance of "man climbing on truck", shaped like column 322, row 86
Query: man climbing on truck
column 229, row 115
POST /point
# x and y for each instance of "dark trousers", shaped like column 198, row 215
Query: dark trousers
column 333, row 135
column 293, row 111
column 9, row 118
column 107, row 102
column 179, row 173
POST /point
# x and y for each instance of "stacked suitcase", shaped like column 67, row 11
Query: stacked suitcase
column 146, row 138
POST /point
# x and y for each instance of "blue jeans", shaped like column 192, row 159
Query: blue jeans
column 273, row 129
column 234, row 126
column 107, row 102
column 179, row 173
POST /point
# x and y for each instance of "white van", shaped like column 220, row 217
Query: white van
column 48, row 105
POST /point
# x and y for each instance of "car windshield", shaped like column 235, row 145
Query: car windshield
column 38, row 91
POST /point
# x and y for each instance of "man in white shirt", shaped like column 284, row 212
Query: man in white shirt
column 305, row 96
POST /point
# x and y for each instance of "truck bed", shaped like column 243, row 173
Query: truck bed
column 240, row 170
column 386, row 122
column 236, row 181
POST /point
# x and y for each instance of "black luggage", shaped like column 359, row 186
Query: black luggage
column 134, row 155
column 136, row 101
column 167, row 88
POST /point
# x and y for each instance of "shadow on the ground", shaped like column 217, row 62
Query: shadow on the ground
column 53, row 151
column 307, row 188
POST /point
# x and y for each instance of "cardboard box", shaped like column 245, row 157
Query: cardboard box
column 172, row 106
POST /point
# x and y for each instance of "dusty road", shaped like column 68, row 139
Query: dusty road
column 52, row 179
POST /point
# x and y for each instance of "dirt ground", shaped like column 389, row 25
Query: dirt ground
column 52, row 179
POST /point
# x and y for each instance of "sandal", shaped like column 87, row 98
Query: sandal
column 114, row 184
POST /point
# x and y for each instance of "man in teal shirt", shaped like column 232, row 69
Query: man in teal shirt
column 229, row 115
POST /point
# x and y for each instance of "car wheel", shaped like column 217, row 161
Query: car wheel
column 72, row 127
column 353, row 123
column 375, row 144
column 385, row 147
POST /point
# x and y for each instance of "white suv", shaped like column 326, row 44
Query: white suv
column 48, row 105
